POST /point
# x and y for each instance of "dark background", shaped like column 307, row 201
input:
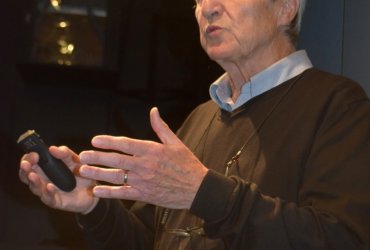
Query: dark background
column 159, row 63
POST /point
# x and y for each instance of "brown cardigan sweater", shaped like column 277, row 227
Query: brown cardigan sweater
column 302, row 180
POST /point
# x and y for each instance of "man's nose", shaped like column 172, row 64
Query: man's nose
column 211, row 9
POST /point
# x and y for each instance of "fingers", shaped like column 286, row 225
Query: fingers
column 48, row 196
column 162, row 130
column 28, row 175
column 32, row 175
column 115, row 176
column 138, row 147
column 41, row 188
column 122, row 144
column 26, row 165
column 32, row 158
column 121, row 192
column 35, row 183
column 46, row 191
column 25, row 168
column 65, row 154
column 113, row 160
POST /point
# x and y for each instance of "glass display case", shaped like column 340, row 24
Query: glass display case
column 70, row 32
column 71, row 35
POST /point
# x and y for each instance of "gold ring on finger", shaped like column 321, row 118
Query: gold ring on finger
column 125, row 178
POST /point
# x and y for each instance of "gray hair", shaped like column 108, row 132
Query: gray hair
column 294, row 28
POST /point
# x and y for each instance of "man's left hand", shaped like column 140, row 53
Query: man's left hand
column 166, row 174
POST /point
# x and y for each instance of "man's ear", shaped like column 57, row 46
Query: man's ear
column 288, row 11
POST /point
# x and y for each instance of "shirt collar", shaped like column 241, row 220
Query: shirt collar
column 277, row 73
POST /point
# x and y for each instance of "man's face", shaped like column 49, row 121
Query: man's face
column 234, row 30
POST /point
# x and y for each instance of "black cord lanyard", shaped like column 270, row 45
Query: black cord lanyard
column 235, row 158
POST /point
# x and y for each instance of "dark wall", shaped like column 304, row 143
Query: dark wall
column 322, row 33
column 160, row 63
column 9, row 85
column 356, row 41
column 336, row 35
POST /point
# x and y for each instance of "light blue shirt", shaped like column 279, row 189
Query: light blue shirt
column 277, row 73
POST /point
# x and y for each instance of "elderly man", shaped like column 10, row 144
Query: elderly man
column 278, row 159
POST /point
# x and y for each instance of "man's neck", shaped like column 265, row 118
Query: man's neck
column 240, row 72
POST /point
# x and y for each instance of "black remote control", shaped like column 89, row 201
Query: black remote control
column 54, row 169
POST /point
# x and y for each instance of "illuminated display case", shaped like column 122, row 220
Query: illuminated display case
column 71, row 40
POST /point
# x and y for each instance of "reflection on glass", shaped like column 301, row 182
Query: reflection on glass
column 56, row 4
column 65, row 47
column 70, row 32
column 63, row 24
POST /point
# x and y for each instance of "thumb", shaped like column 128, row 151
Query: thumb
column 162, row 130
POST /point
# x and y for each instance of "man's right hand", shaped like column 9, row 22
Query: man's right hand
column 80, row 200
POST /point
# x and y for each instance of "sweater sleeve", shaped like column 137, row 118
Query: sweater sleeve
column 332, row 210
column 112, row 226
